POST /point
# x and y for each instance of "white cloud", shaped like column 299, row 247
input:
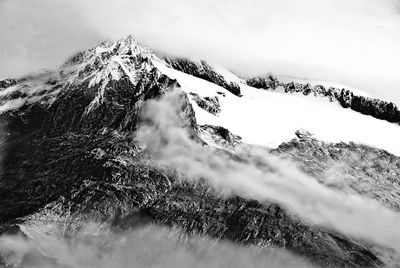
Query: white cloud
column 37, row 34
column 354, row 42
column 349, row 41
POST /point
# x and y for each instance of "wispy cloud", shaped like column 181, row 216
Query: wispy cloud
column 264, row 177
column 150, row 246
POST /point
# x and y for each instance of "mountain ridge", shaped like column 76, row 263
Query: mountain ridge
column 92, row 59
column 70, row 149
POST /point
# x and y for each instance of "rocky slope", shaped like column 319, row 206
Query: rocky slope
column 364, row 170
column 203, row 70
column 70, row 149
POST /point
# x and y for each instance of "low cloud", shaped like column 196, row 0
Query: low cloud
column 264, row 177
column 150, row 246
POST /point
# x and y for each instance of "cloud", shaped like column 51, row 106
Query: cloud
column 149, row 246
column 36, row 34
column 263, row 177
column 349, row 41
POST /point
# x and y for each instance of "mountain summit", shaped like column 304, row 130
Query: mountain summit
column 123, row 138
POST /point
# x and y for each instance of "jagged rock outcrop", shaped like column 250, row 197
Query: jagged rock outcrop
column 219, row 136
column 210, row 104
column 204, row 71
column 374, row 107
column 268, row 82
column 7, row 83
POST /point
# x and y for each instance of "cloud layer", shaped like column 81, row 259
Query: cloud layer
column 349, row 41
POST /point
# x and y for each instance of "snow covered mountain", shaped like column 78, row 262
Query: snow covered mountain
column 270, row 117
column 71, row 152
column 316, row 107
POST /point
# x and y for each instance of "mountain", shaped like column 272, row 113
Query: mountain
column 71, row 154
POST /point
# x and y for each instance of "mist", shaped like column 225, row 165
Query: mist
column 149, row 246
column 263, row 177
column 354, row 42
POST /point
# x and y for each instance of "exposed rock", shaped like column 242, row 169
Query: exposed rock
column 204, row 71
column 303, row 134
column 221, row 93
column 379, row 109
column 268, row 82
column 356, row 168
column 307, row 89
column 7, row 83
column 210, row 104
column 219, row 136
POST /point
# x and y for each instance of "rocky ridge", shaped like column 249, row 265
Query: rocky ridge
column 209, row 104
column 347, row 99
column 74, row 154
column 203, row 70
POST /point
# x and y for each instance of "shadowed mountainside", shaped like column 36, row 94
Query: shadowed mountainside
column 76, row 155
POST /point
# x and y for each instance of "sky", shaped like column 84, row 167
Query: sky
column 354, row 42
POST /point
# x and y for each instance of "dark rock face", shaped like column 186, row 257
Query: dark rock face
column 374, row 107
column 204, row 71
column 79, row 155
column 48, row 149
column 119, row 109
column 222, row 132
column 92, row 167
column 220, row 136
column 210, row 104
column 107, row 177
column 268, row 82
column 251, row 222
column 7, row 83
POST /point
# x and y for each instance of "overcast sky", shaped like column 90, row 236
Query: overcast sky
column 355, row 42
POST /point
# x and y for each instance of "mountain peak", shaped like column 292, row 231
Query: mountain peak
column 111, row 60
column 127, row 47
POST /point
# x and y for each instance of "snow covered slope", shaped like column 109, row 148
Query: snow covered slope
column 263, row 117
column 270, row 118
